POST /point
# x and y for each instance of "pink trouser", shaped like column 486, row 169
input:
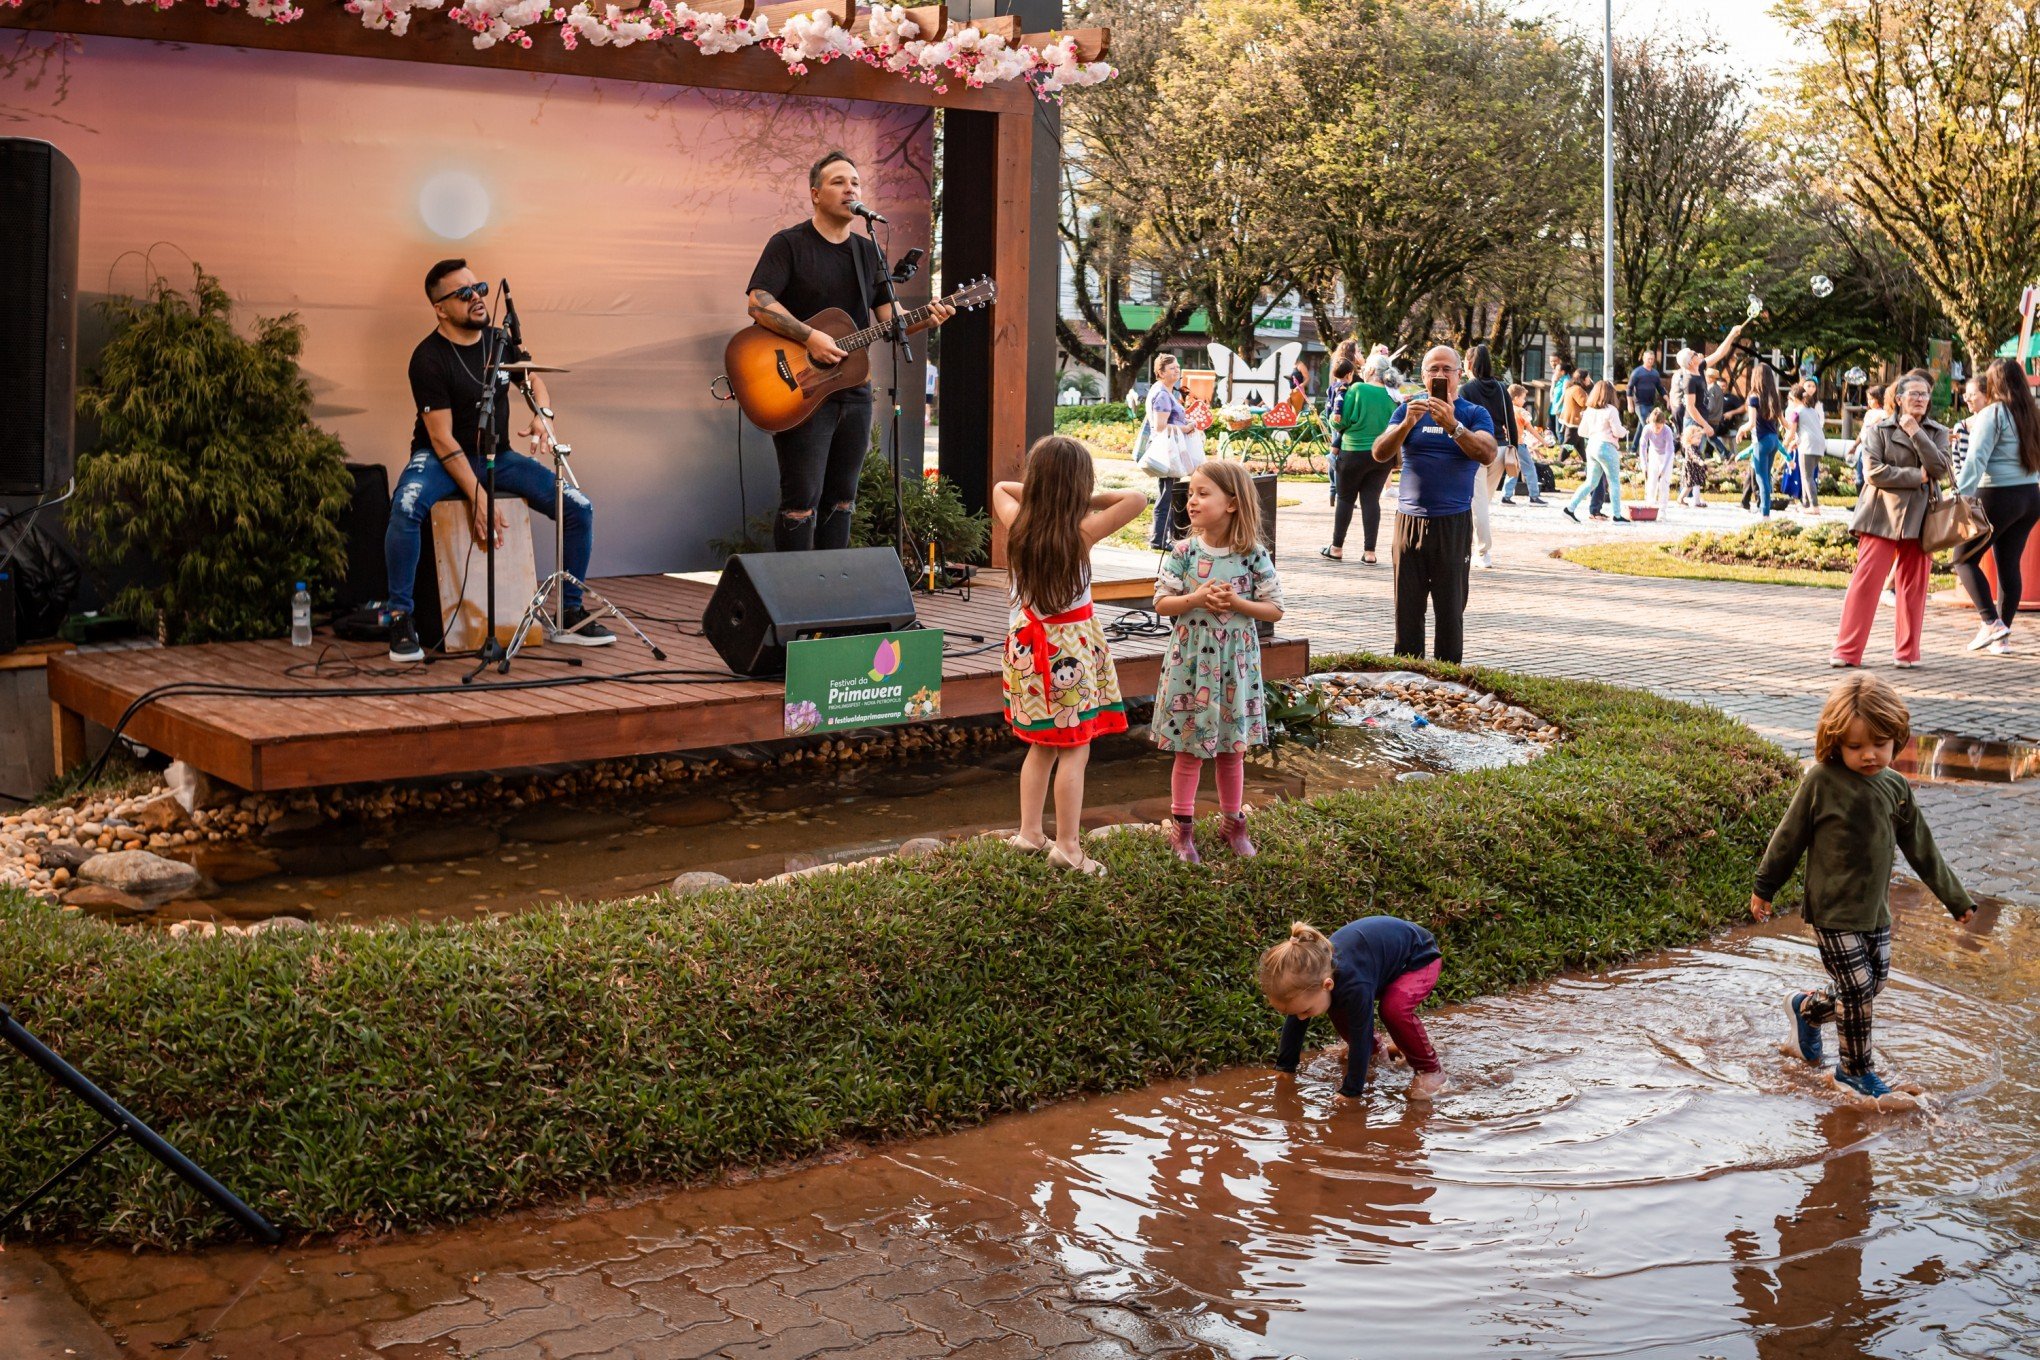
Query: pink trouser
column 1399, row 1002
column 1874, row 560
column 1231, row 776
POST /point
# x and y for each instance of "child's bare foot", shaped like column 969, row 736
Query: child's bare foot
column 1424, row 1085
column 1393, row 1054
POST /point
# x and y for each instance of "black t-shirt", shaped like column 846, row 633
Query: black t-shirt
column 448, row 377
column 809, row 273
column 1683, row 385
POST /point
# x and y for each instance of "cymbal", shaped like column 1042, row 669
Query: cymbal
column 526, row 366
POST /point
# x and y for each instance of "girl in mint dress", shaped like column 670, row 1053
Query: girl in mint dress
column 1218, row 584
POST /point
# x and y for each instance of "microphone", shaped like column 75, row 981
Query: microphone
column 867, row 214
column 514, row 326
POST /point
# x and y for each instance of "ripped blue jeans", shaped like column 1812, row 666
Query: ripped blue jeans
column 425, row 483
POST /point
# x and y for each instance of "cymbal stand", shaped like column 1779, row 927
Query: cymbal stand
column 554, row 586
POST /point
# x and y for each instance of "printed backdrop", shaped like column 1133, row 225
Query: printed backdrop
column 626, row 216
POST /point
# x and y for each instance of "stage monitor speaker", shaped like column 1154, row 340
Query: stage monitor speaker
column 368, row 516
column 767, row 600
column 38, row 316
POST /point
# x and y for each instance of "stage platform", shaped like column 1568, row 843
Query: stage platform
column 320, row 736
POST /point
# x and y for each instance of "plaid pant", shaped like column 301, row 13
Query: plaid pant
column 1857, row 963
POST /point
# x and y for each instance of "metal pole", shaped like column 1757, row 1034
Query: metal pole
column 153, row 1143
column 1608, row 193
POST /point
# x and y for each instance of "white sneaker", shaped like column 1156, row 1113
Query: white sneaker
column 2000, row 646
column 1987, row 634
column 1888, row 600
column 1905, row 665
column 1486, row 560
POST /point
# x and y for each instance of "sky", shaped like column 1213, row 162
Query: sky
column 1755, row 41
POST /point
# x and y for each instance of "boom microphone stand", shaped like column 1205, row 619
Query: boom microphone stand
column 902, row 353
column 151, row 1142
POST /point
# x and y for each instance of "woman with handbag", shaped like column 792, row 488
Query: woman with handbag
column 1173, row 445
column 2003, row 464
column 1902, row 459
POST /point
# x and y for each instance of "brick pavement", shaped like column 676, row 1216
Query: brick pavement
column 1754, row 651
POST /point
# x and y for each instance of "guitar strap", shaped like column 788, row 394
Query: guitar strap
column 858, row 245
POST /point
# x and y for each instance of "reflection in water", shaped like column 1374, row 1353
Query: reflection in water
column 1623, row 1166
column 1934, row 755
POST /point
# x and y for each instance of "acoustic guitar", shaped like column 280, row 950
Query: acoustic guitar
column 778, row 385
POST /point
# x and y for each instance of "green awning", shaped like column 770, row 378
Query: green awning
column 2010, row 348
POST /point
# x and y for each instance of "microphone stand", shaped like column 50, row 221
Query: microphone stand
column 902, row 353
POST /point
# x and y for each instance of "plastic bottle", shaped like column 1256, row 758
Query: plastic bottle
column 301, row 617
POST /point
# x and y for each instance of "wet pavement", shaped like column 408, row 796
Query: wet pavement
column 1624, row 1165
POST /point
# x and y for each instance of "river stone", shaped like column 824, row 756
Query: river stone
column 227, row 863
column 1414, row 776
column 698, row 811
column 697, row 881
column 65, row 855
column 432, row 844
column 100, row 900
column 141, row 873
column 160, row 813
column 328, row 861
column 556, row 826
column 920, row 847
column 282, row 925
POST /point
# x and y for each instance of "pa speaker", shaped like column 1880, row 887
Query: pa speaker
column 38, row 316
column 766, row 600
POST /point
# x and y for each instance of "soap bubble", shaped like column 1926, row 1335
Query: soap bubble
column 1756, row 305
column 1822, row 285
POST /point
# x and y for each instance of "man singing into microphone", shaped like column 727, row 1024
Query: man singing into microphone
column 446, row 389
column 806, row 269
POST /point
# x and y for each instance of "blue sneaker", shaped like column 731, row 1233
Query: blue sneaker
column 1803, row 1042
column 1864, row 1084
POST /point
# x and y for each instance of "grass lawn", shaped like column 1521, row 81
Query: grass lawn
column 1657, row 559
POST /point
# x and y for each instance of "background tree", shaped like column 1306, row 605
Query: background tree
column 1926, row 117
column 1680, row 159
column 207, row 467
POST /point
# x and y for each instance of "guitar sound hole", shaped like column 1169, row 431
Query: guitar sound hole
column 785, row 371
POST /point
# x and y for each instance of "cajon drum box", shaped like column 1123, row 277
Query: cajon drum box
column 464, row 574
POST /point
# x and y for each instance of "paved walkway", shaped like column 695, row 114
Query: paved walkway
column 958, row 1273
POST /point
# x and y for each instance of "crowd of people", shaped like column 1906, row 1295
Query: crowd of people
column 1461, row 439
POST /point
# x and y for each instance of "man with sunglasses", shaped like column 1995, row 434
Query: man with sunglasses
column 446, row 460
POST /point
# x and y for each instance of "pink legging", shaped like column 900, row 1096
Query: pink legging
column 1231, row 777
column 1399, row 1002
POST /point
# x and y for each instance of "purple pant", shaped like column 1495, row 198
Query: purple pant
column 1399, row 1002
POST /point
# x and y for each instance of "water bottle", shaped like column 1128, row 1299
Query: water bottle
column 301, row 617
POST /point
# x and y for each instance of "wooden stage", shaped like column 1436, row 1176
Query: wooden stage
column 312, row 739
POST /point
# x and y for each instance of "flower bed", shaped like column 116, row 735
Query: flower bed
column 404, row 1075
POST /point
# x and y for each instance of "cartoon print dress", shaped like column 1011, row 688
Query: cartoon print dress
column 1061, row 689
column 1209, row 701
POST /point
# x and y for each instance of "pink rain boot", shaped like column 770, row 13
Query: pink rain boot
column 1183, row 840
column 1236, row 835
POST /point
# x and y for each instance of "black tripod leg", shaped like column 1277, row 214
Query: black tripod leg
column 70, row 1169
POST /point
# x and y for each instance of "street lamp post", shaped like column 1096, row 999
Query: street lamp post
column 1608, row 192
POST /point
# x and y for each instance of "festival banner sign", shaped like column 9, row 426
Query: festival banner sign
column 871, row 680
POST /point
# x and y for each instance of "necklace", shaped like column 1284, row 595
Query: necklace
column 459, row 352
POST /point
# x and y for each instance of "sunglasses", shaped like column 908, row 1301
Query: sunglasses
column 466, row 294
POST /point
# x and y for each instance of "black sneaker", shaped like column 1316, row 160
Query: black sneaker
column 579, row 630
column 404, row 639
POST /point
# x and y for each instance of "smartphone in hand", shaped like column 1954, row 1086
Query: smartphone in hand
column 1437, row 387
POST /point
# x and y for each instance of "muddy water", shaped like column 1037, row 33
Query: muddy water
column 1625, row 1166
column 752, row 828
column 1934, row 755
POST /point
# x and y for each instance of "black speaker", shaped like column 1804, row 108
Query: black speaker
column 766, row 600
column 38, row 316
column 8, row 641
column 368, row 516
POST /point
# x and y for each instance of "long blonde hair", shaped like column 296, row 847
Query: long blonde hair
column 1300, row 964
column 1231, row 479
column 1045, row 548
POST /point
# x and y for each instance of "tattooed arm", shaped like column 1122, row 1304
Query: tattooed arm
column 767, row 312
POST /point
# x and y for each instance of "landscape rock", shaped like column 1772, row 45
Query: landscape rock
column 556, row 826
column 698, row 811
column 431, row 844
column 282, row 925
column 162, row 812
column 100, row 900
column 919, row 847
column 64, row 855
column 697, row 881
column 142, row 873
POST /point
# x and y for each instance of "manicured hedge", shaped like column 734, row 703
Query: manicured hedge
column 367, row 1079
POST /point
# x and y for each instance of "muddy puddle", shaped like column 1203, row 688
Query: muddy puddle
column 1939, row 755
column 1624, row 1166
column 755, row 827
